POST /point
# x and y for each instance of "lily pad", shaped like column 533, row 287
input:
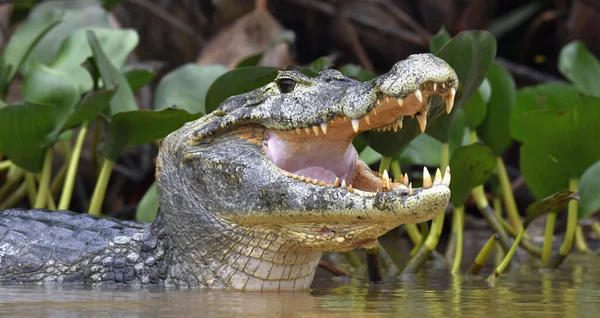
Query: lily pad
column 495, row 129
column 89, row 107
column 148, row 206
column 581, row 67
column 470, row 166
column 139, row 77
column 589, row 191
column 186, row 87
column 555, row 202
column 438, row 41
column 542, row 172
column 237, row 81
column 251, row 60
column 140, row 126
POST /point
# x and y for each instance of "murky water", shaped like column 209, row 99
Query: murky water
column 573, row 291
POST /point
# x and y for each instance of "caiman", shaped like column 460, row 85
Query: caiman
column 251, row 194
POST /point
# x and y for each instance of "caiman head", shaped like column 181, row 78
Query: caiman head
column 280, row 158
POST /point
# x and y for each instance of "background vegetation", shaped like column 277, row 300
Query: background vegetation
column 88, row 89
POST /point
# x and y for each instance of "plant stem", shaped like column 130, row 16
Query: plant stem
column 548, row 235
column 44, row 188
column 15, row 174
column 353, row 259
column 396, row 170
column 500, row 269
column 509, row 200
column 388, row 263
column 4, row 165
column 384, row 164
column 58, row 179
column 582, row 246
column 413, row 232
column 596, row 228
column 100, row 189
column 458, row 218
column 67, row 193
column 31, row 188
column 483, row 255
column 487, row 212
column 15, row 197
column 50, row 202
column 374, row 264
column 567, row 244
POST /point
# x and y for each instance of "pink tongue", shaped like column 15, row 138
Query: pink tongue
column 318, row 173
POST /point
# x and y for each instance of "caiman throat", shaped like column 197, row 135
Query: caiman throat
column 251, row 194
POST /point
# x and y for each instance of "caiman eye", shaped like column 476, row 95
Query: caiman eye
column 286, row 85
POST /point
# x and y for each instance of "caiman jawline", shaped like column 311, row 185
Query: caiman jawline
column 323, row 154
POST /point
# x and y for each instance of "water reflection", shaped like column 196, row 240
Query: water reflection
column 571, row 292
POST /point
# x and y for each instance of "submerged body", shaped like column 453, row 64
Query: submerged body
column 251, row 194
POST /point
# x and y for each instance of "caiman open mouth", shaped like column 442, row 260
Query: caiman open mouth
column 323, row 154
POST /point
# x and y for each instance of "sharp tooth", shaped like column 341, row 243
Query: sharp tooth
column 315, row 181
column 378, row 102
column 450, row 100
column 410, row 189
column 438, row 177
column 302, row 178
column 385, row 181
column 343, row 183
column 350, row 188
column 316, row 130
column 399, row 122
column 307, row 130
column 400, row 102
column 374, row 112
column 405, row 180
column 444, row 85
column 426, row 179
column 387, row 99
column 419, row 95
column 355, row 124
column 422, row 119
column 395, row 126
column 367, row 119
column 322, row 183
column 298, row 130
column 336, row 183
column 324, row 128
column 434, row 87
column 446, row 180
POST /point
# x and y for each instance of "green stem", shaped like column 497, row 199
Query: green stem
column 58, row 179
column 4, row 165
column 31, row 188
column 396, row 170
column 44, row 188
column 500, row 269
column 509, row 200
column 14, row 197
column 483, row 255
column 67, row 193
column 100, row 190
column 458, row 218
column 50, row 202
column 15, row 175
column 413, row 232
column 388, row 263
column 444, row 156
column 384, row 164
column 353, row 259
column 374, row 264
column 582, row 246
column 567, row 244
column 487, row 212
column 596, row 228
column 548, row 235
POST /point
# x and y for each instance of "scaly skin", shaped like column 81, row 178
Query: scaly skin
column 240, row 203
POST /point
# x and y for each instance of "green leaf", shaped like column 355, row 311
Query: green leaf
column 321, row 64
column 555, row 202
column 551, row 96
column 186, row 87
column 589, row 191
column 542, row 172
column 471, row 166
column 75, row 50
column 251, row 60
column 356, row 72
column 423, row 151
column 369, row 156
column 475, row 110
column 438, row 41
column 139, row 77
column 581, row 67
column 148, row 206
column 237, row 81
column 123, row 100
column 89, row 107
column 140, row 126
column 495, row 129
column 570, row 136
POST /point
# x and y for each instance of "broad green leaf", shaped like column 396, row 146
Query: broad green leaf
column 123, row 100
column 551, row 96
column 423, row 151
column 589, row 191
column 186, row 87
column 46, row 86
column 237, row 81
column 495, row 129
column 73, row 14
column 369, row 156
column 475, row 110
column 251, row 60
column 581, row 67
column 542, row 172
column 555, row 202
column 321, row 64
column 148, row 206
column 470, row 54
column 571, row 136
column 25, row 133
column 439, row 40
column 470, row 166
column 139, row 77
column 485, row 90
column 140, row 126
column 75, row 50
column 89, row 107
column 356, row 72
